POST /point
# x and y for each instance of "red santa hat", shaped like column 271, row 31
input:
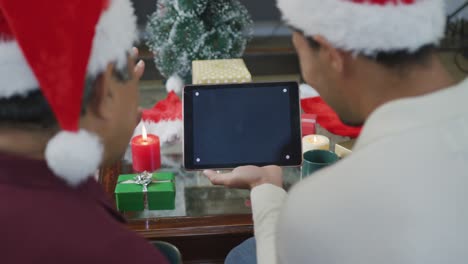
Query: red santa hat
column 369, row 26
column 53, row 46
column 163, row 120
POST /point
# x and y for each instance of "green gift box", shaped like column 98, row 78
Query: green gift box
column 160, row 191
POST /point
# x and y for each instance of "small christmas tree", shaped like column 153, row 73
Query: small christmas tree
column 181, row 31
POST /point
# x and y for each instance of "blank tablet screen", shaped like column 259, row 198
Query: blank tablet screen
column 232, row 125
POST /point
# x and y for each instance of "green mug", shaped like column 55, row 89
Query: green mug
column 317, row 159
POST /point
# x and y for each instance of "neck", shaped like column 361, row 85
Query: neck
column 24, row 143
column 417, row 81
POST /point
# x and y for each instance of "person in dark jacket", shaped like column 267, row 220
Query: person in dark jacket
column 68, row 104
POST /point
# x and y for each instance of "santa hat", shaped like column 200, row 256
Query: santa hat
column 163, row 120
column 369, row 26
column 54, row 45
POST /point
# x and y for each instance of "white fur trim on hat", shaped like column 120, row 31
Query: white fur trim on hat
column 115, row 35
column 368, row 28
column 175, row 83
column 16, row 77
column 74, row 156
column 307, row 91
column 167, row 131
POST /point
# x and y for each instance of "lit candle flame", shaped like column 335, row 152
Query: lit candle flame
column 315, row 139
column 143, row 132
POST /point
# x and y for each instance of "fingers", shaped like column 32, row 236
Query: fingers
column 135, row 52
column 299, row 41
column 274, row 175
column 140, row 66
column 218, row 178
column 139, row 69
column 272, row 169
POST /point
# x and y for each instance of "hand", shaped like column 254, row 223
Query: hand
column 140, row 66
column 247, row 177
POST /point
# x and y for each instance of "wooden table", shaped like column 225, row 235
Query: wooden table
column 203, row 235
column 205, row 239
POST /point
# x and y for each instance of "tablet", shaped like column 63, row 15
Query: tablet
column 231, row 125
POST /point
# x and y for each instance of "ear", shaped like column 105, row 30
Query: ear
column 101, row 104
column 331, row 54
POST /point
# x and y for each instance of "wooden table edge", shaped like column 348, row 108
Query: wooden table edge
column 154, row 228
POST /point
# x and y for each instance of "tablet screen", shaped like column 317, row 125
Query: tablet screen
column 232, row 125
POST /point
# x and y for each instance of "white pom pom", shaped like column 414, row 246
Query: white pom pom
column 74, row 157
column 175, row 83
column 307, row 91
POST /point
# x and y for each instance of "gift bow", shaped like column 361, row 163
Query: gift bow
column 144, row 179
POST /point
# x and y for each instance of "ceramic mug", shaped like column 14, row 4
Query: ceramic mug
column 315, row 160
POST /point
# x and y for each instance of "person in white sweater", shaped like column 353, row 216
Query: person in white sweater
column 401, row 196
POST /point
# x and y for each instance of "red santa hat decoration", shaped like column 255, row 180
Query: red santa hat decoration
column 53, row 46
column 164, row 120
column 369, row 26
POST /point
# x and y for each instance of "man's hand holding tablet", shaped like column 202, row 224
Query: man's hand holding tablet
column 247, row 177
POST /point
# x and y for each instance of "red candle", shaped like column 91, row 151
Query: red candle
column 146, row 152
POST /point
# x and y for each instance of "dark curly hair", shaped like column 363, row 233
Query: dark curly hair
column 396, row 59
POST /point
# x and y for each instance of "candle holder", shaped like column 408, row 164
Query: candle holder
column 317, row 159
column 312, row 142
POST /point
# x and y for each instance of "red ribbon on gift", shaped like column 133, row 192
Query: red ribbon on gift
column 327, row 117
column 167, row 109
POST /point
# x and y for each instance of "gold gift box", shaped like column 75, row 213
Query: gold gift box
column 344, row 149
column 220, row 71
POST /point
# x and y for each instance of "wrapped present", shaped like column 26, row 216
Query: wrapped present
column 135, row 192
column 220, row 71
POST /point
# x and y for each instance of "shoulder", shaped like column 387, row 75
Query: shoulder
column 61, row 226
column 332, row 210
column 100, row 239
column 124, row 247
column 356, row 183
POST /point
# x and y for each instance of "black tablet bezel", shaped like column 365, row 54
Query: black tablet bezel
column 296, row 141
